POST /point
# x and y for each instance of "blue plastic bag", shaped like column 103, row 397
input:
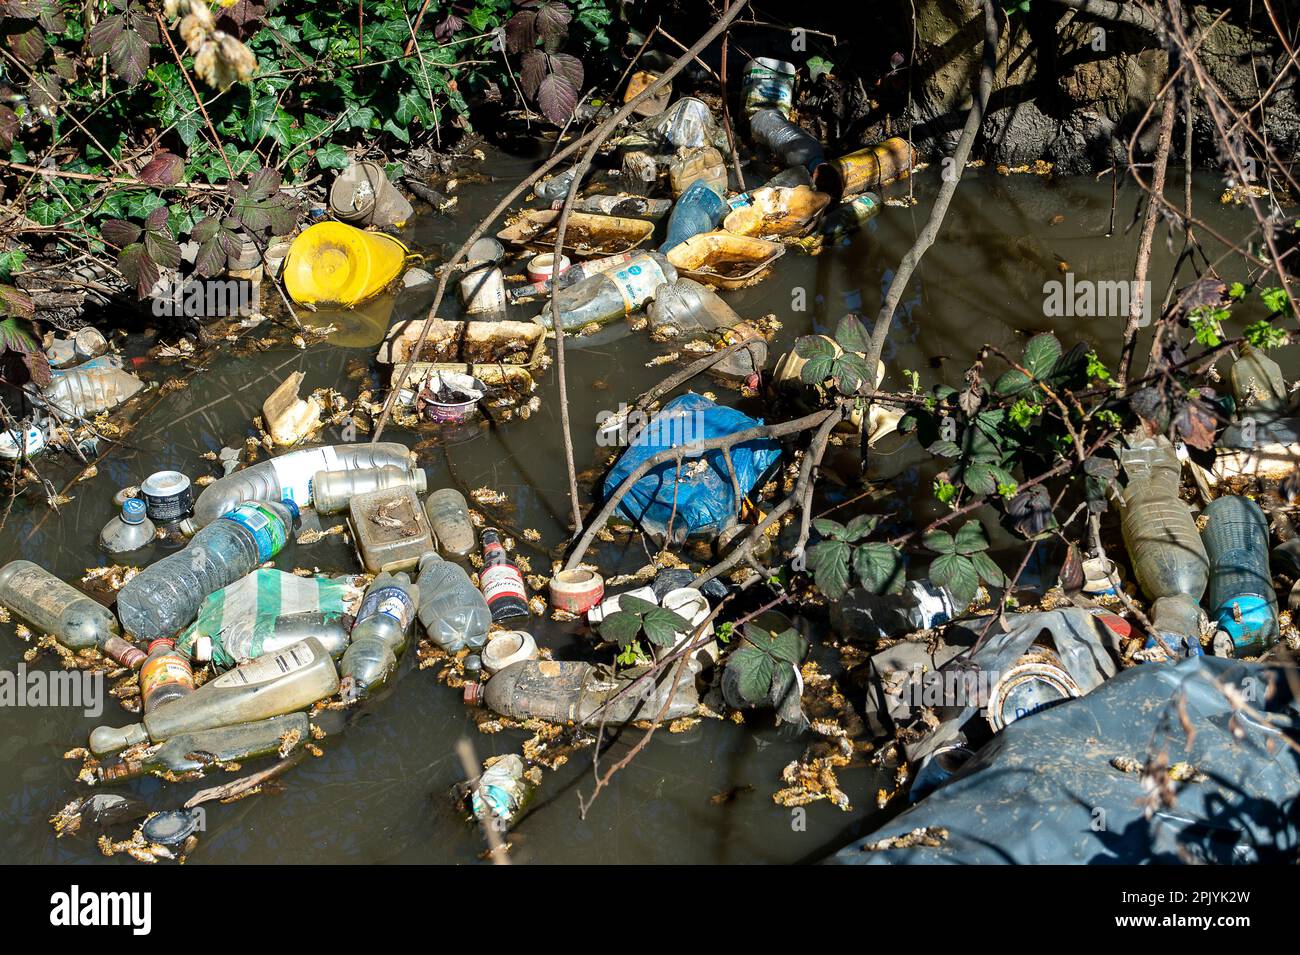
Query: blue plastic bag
column 706, row 500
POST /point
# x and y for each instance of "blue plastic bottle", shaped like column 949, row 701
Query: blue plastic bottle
column 698, row 209
column 1240, row 598
column 165, row 596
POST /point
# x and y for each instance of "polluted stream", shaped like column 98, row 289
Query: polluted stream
column 379, row 791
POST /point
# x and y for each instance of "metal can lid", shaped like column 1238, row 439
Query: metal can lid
column 133, row 510
column 172, row 827
column 164, row 484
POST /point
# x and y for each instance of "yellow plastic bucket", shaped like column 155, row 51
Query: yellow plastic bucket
column 331, row 263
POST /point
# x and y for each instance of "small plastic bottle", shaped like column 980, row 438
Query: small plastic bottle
column 379, row 637
column 164, row 676
column 166, row 595
column 128, row 531
column 500, row 791
column 1240, row 597
column 500, row 580
column 607, row 297
column 452, row 610
column 332, row 490
column 449, row 519
column 52, row 606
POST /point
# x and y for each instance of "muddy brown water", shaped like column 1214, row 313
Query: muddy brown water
column 378, row 792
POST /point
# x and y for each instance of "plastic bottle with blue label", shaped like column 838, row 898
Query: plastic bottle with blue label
column 379, row 637
column 608, row 296
column 166, row 595
column 1240, row 597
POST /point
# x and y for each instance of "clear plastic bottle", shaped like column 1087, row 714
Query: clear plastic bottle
column 851, row 216
column 166, row 595
column 500, row 580
column 571, row 276
column 190, row 752
column 790, row 144
column 379, row 637
column 332, row 490
column 273, row 684
column 1167, row 554
column 452, row 610
column 607, row 297
column 165, row 675
column 697, row 165
column 289, row 476
column 1240, row 597
column 556, row 186
column 500, row 791
column 621, row 204
column 130, row 530
column 55, row 607
column 331, row 630
column 85, row 391
column 453, row 531
column 699, row 210
column 688, row 309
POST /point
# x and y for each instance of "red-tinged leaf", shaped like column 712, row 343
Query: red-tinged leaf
column 27, row 46
column 104, row 34
column 241, row 19
column 130, row 56
column 164, row 169
column 205, row 229
column 231, row 242
column 557, row 99
column 139, row 19
column 445, row 30
column 156, row 220
column 16, row 304
column 38, row 367
column 521, row 31
column 1196, row 424
column 45, row 90
column 531, row 72
column 211, row 258
column 8, row 127
column 263, row 183
column 138, row 269
column 570, row 67
column 553, row 20
column 119, row 232
column 16, row 335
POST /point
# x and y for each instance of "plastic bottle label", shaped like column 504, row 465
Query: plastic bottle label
column 295, row 472
column 767, row 87
column 161, row 670
column 638, row 282
column 393, row 601
column 264, row 524
column 267, row 668
column 501, row 580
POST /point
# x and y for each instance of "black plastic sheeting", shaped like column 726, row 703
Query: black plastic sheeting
column 1044, row 790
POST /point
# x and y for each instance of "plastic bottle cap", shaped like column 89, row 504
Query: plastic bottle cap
column 133, row 511
column 202, row 651
column 292, row 505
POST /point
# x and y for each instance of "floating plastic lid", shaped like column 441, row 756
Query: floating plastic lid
column 133, row 510
column 171, row 828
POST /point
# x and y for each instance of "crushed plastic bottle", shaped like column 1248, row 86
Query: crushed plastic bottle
column 695, row 165
column 128, row 531
column 1258, row 385
column 921, row 605
column 688, row 309
column 271, row 685
column 571, row 691
column 790, row 144
column 289, row 476
column 607, row 297
column 699, row 209
column 686, row 124
column 379, row 637
column 620, row 204
column 571, row 276
column 166, row 595
column 1240, row 597
column 87, row 390
column 453, row 611
column 500, row 791
column 555, row 187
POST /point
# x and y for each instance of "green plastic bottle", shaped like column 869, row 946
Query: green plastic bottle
column 195, row 751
